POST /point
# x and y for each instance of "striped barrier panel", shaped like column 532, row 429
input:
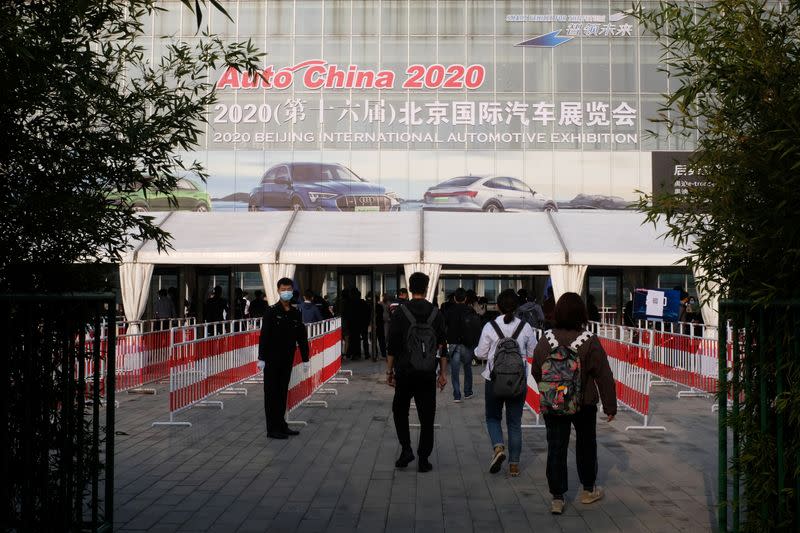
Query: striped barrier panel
column 532, row 391
column 200, row 368
column 630, row 364
column 689, row 361
column 325, row 358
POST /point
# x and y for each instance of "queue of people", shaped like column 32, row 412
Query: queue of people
column 568, row 363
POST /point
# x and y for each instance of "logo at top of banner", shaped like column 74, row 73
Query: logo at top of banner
column 548, row 40
column 588, row 26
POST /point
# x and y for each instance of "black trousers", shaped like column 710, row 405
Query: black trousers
column 381, row 333
column 276, row 390
column 558, row 430
column 354, row 343
column 423, row 389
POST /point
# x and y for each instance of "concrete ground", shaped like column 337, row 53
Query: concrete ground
column 223, row 474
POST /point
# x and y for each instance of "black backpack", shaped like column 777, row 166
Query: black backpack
column 473, row 327
column 421, row 343
column 508, row 373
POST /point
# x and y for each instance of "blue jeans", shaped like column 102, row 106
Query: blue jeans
column 494, row 419
column 460, row 356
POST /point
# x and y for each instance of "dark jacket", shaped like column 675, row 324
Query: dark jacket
column 398, row 330
column 454, row 320
column 214, row 308
column 309, row 312
column 258, row 308
column 281, row 332
column 597, row 381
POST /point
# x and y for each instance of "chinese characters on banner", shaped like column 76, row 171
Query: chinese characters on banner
column 597, row 114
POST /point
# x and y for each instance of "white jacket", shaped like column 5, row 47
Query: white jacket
column 488, row 343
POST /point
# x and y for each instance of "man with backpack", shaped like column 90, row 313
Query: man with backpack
column 530, row 311
column 416, row 339
column 463, row 331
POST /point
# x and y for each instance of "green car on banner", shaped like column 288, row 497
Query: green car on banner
column 187, row 196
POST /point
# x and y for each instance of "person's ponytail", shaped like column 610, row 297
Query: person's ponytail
column 508, row 302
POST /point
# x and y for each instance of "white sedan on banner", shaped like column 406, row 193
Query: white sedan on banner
column 492, row 194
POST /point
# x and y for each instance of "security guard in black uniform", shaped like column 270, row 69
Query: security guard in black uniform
column 282, row 331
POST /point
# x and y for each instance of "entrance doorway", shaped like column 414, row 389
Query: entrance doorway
column 606, row 289
column 357, row 294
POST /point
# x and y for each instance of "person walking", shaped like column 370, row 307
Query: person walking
column 258, row 306
column 461, row 321
column 164, row 309
column 569, row 341
column 380, row 330
column 216, row 308
column 506, row 343
column 530, row 311
column 549, row 308
column 402, row 298
column 282, row 332
column 416, row 340
column 308, row 310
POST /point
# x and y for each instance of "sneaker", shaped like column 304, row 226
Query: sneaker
column 513, row 470
column 468, row 396
column 405, row 457
column 497, row 459
column 424, row 465
column 588, row 497
column 457, row 400
column 557, row 507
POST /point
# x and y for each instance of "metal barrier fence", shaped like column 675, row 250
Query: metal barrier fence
column 225, row 354
column 124, row 327
column 630, row 364
column 199, row 368
column 675, row 359
column 532, row 392
column 684, row 328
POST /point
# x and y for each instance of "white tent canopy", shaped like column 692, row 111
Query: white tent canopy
column 593, row 238
column 219, row 238
column 360, row 238
column 484, row 239
column 614, row 238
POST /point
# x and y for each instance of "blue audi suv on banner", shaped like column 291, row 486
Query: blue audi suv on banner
column 319, row 187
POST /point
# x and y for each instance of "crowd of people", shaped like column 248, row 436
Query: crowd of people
column 568, row 363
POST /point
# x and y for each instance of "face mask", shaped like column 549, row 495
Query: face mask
column 286, row 295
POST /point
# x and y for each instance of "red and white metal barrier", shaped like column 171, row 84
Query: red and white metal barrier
column 688, row 361
column 630, row 364
column 325, row 359
column 532, row 392
column 200, row 368
column 226, row 354
column 124, row 327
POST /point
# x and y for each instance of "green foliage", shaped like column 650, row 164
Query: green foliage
column 86, row 112
column 736, row 65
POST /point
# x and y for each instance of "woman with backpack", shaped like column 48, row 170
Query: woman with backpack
column 506, row 343
column 572, row 371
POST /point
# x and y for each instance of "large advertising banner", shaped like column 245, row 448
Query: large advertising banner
column 458, row 106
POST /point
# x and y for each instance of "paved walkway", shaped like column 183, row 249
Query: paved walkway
column 223, row 474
